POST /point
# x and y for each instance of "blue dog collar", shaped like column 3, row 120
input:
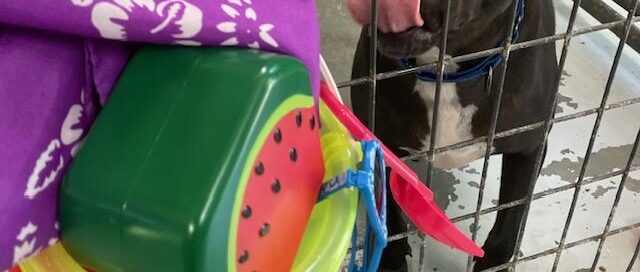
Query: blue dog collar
column 484, row 67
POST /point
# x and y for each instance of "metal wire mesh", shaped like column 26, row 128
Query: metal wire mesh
column 621, row 26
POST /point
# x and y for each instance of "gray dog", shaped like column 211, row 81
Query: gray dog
column 404, row 104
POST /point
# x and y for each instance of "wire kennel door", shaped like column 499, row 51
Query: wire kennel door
column 628, row 34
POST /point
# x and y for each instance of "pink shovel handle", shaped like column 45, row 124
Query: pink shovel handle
column 415, row 199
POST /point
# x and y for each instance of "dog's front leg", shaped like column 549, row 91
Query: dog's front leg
column 517, row 172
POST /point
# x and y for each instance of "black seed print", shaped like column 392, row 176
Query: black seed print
column 259, row 169
column 293, row 154
column 246, row 212
column 244, row 257
column 312, row 122
column 264, row 230
column 299, row 119
column 277, row 136
column 276, row 186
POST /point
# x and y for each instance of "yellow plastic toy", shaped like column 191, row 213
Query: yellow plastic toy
column 327, row 237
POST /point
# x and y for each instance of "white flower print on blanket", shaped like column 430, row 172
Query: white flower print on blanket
column 237, row 10
column 178, row 17
column 50, row 162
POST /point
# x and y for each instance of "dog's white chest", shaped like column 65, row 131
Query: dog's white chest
column 454, row 122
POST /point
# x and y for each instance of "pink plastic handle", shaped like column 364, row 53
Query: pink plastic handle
column 415, row 199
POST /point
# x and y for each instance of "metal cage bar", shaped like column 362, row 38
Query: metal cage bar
column 566, row 246
column 484, row 53
column 604, row 13
column 520, row 202
column 542, row 194
column 495, row 111
column 439, row 65
column 634, row 257
column 617, row 199
column 373, row 64
column 439, row 80
column 525, row 128
column 434, row 116
column 483, row 181
column 585, row 164
column 563, row 58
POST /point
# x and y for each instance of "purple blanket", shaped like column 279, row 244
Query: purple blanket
column 57, row 68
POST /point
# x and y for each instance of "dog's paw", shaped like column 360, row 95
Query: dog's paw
column 394, row 257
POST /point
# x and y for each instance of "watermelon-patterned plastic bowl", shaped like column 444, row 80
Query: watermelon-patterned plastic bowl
column 203, row 159
column 329, row 229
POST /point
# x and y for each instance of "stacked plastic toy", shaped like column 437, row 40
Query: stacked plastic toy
column 217, row 160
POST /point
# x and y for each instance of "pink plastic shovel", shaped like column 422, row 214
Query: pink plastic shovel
column 413, row 197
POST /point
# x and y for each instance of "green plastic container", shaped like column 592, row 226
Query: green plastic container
column 156, row 184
